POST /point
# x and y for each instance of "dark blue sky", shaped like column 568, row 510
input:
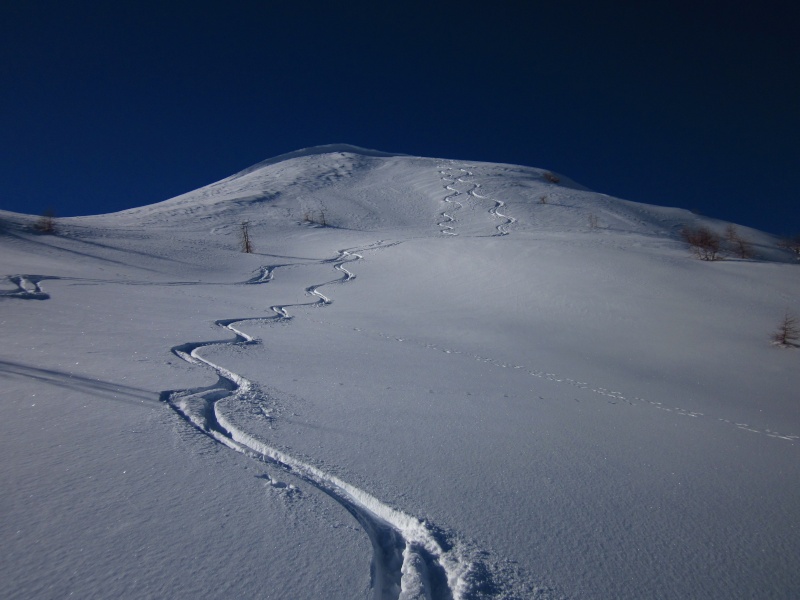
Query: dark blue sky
column 108, row 105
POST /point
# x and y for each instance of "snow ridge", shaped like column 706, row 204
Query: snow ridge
column 409, row 561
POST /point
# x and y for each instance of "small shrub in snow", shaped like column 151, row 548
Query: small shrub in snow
column 592, row 221
column 738, row 245
column 46, row 223
column 704, row 243
column 314, row 219
column 788, row 332
column 791, row 244
column 551, row 177
column 543, row 200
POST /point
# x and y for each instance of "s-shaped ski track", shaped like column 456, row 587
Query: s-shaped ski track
column 409, row 560
column 449, row 180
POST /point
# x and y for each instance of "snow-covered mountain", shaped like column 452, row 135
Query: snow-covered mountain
column 430, row 379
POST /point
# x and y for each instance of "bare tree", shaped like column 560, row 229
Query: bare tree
column 247, row 245
column 592, row 221
column 704, row 243
column 739, row 246
column 788, row 331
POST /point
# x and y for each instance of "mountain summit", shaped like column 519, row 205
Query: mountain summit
column 343, row 373
column 369, row 190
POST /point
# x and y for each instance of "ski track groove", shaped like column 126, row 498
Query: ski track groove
column 408, row 560
column 446, row 224
column 28, row 287
column 265, row 274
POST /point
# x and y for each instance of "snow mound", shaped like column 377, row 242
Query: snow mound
column 352, row 188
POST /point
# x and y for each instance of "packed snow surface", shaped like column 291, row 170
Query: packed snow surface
column 431, row 379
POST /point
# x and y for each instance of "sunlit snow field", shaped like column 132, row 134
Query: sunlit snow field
column 431, row 379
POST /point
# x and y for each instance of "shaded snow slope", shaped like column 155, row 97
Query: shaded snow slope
column 352, row 188
column 459, row 387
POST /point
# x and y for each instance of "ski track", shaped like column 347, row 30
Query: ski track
column 502, row 229
column 445, row 225
column 265, row 274
column 412, row 559
column 28, row 287
column 449, row 180
column 614, row 397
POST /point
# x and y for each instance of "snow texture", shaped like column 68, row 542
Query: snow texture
column 432, row 379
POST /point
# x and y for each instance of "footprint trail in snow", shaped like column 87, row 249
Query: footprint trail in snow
column 613, row 396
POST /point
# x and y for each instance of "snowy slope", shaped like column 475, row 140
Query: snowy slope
column 471, row 382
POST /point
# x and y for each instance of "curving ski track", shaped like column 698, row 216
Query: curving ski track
column 264, row 274
column 409, row 560
column 445, row 225
column 502, row 229
column 449, row 179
